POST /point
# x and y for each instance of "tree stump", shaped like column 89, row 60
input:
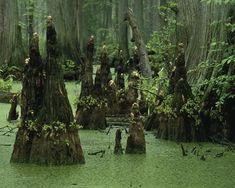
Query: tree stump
column 136, row 140
column 118, row 144
column 47, row 135
column 13, row 114
column 91, row 107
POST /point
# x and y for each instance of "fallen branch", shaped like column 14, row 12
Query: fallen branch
column 97, row 152
column 5, row 144
column 223, row 142
column 183, row 150
column 127, row 132
column 194, row 150
column 110, row 127
column 9, row 131
column 219, row 155
column 4, row 127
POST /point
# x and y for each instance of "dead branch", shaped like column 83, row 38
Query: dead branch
column 97, row 152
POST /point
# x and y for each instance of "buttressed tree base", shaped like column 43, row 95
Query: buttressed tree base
column 47, row 134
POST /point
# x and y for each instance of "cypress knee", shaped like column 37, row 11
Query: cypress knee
column 136, row 140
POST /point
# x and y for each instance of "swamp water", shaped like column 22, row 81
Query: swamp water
column 163, row 165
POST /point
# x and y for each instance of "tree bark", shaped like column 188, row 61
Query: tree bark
column 138, row 10
column 123, row 28
column 81, row 27
column 142, row 51
column 152, row 18
column 196, row 30
column 47, row 135
column 65, row 15
column 10, row 34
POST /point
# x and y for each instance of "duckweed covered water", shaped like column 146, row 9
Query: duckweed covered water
column 162, row 166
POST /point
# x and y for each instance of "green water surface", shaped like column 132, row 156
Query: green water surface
column 163, row 165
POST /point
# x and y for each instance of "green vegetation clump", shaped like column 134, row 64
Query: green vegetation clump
column 6, row 85
column 89, row 103
column 166, row 108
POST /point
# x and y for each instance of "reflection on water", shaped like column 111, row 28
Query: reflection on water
column 162, row 166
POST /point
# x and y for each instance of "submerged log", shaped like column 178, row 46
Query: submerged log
column 102, row 152
column 46, row 135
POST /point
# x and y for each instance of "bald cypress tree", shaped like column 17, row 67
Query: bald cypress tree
column 47, row 135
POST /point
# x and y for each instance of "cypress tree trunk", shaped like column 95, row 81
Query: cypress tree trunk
column 54, row 84
column 123, row 28
column 90, row 108
column 136, row 140
column 47, row 135
column 138, row 9
column 200, row 24
column 10, row 34
column 87, row 81
column 66, row 17
column 81, row 27
column 31, row 103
